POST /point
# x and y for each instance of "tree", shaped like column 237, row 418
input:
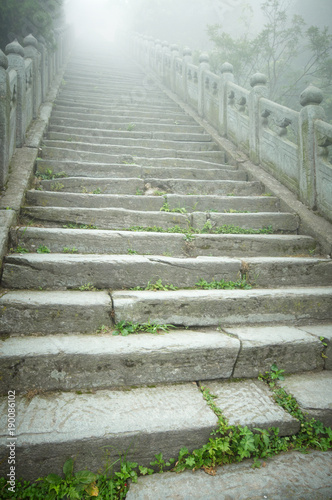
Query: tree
column 19, row 18
column 289, row 52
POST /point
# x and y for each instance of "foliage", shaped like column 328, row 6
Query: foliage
column 291, row 53
column 207, row 228
column 20, row 18
column 19, row 249
column 43, row 249
column 273, row 375
column 126, row 328
column 88, row 287
column 49, row 175
column 158, row 286
column 223, row 285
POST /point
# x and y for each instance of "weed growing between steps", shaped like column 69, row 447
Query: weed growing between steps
column 125, row 328
column 228, row 444
column 49, row 175
column 202, row 284
column 208, row 228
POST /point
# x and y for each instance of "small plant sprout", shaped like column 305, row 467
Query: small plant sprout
column 131, row 127
column 125, row 328
column 70, row 250
column 43, row 249
column 273, row 375
column 88, row 287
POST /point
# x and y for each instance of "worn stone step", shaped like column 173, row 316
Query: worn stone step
column 291, row 476
column 27, row 312
column 94, row 103
column 132, row 186
column 130, row 115
column 105, row 361
column 152, row 203
column 59, row 271
column 84, row 169
column 130, row 132
column 122, row 119
column 225, row 307
column 107, row 137
column 122, row 125
column 117, row 242
column 139, row 422
column 119, row 219
column 118, row 154
column 105, row 145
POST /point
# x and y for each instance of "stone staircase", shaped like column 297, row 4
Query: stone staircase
column 130, row 192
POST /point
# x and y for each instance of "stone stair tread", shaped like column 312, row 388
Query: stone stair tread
column 120, row 219
column 119, row 242
column 225, row 307
column 60, row 270
column 291, row 476
column 137, row 420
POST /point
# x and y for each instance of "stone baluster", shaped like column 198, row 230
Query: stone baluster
column 174, row 55
column 226, row 71
column 203, row 66
column 15, row 56
column 259, row 89
column 31, row 50
column 310, row 100
column 187, row 59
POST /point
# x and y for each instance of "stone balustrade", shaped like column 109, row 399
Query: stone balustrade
column 292, row 146
column 26, row 74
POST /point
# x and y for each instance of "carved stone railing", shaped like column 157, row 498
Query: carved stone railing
column 292, row 146
column 26, row 74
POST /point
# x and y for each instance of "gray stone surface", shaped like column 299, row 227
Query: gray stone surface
column 26, row 312
column 290, row 348
column 313, row 391
column 87, row 185
column 7, row 219
column 105, row 361
column 206, row 187
column 139, row 422
column 279, row 221
column 250, row 403
column 324, row 333
column 294, row 476
column 115, row 272
column 225, row 307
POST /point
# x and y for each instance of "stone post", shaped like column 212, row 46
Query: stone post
column 157, row 61
column 187, row 59
column 310, row 99
column 259, row 89
column 226, row 71
column 4, row 118
column 15, row 56
column 174, row 55
column 43, row 65
column 165, row 50
column 31, row 51
column 203, row 66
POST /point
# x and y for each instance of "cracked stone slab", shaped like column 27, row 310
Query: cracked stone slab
column 105, row 218
column 105, row 361
column 114, row 272
column 212, row 187
column 88, row 185
column 292, row 476
column 224, row 307
column 91, row 170
column 52, row 427
column 278, row 221
column 324, row 333
column 26, row 312
column 250, row 403
column 313, row 392
column 290, row 348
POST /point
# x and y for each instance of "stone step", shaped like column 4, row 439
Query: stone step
column 122, row 125
column 117, row 242
column 153, row 203
column 118, row 154
column 129, row 132
column 105, row 361
column 288, row 476
column 139, row 422
column 106, row 145
column 131, row 114
column 225, row 307
column 122, row 138
column 124, row 118
column 119, row 219
column 134, row 186
column 59, row 271
column 75, row 169
column 95, row 103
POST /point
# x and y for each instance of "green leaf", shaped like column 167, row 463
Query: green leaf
column 53, row 479
column 85, row 477
column 68, row 468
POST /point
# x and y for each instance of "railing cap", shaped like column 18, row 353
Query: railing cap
column 187, row 51
column 15, row 48
column 204, row 58
column 311, row 95
column 226, row 68
column 3, row 60
column 30, row 40
column 258, row 79
column 174, row 47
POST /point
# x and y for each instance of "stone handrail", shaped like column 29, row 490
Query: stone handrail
column 26, row 74
column 291, row 145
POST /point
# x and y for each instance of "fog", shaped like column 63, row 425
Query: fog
column 181, row 21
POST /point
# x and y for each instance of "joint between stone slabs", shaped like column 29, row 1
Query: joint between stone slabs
column 112, row 311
